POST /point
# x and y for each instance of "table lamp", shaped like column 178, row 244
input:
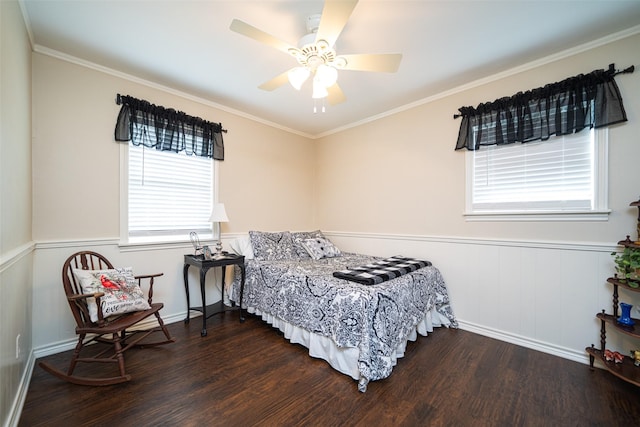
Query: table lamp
column 218, row 215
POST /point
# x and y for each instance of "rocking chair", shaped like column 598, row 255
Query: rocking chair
column 111, row 330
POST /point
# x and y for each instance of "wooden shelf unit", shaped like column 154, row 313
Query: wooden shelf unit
column 625, row 370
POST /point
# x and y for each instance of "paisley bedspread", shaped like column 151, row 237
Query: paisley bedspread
column 374, row 319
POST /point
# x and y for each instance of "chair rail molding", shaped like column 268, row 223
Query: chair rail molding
column 580, row 246
column 15, row 255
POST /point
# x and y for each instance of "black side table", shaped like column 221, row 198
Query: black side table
column 204, row 265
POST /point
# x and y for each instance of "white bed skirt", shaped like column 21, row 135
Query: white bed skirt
column 345, row 359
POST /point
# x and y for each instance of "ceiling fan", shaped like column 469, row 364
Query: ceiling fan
column 315, row 53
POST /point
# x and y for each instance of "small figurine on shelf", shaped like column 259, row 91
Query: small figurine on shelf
column 613, row 356
column 635, row 354
column 608, row 355
column 207, row 252
column 195, row 241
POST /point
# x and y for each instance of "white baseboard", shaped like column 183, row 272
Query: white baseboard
column 69, row 344
column 23, row 387
column 563, row 352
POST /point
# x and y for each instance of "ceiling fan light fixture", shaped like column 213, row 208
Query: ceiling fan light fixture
column 323, row 45
column 316, row 55
column 326, row 75
column 340, row 62
column 319, row 90
column 297, row 76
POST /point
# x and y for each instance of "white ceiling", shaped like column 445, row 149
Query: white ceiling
column 187, row 46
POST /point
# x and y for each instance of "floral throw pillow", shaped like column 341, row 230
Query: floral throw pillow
column 300, row 237
column 272, row 246
column 320, row 248
column 121, row 291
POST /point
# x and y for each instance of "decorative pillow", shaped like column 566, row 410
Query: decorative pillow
column 242, row 246
column 272, row 246
column 320, row 248
column 301, row 236
column 121, row 291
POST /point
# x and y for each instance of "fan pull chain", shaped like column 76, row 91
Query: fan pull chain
column 315, row 106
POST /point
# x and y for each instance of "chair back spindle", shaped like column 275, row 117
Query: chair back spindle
column 85, row 260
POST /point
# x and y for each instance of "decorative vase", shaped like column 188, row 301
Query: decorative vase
column 625, row 319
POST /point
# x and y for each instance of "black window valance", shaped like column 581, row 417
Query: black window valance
column 166, row 129
column 585, row 101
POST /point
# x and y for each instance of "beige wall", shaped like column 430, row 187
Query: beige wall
column 16, row 259
column 274, row 180
column 266, row 182
column 16, row 129
column 536, row 284
column 410, row 158
column 266, row 179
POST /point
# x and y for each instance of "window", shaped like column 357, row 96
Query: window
column 561, row 179
column 167, row 194
column 167, row 172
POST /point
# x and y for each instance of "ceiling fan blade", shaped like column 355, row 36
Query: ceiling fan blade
column 335, row 15
column 275, row 82
column 335, row 95
column 250, row 31
column 382, row 62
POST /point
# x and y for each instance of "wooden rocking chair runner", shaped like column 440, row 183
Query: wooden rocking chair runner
column 113, row 331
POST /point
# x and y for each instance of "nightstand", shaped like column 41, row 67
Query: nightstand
column 204, row 265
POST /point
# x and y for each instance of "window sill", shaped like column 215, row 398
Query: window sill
column 139, row 245
column 144, row 246
column 602, row 215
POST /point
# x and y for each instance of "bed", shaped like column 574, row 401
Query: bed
column 359, row 329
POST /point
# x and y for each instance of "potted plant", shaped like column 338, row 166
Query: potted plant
column 628, row 266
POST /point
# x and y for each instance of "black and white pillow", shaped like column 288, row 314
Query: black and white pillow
column 299, row 238
column 320, row 247
column 272, row 246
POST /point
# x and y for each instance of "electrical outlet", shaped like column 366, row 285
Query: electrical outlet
column 18, row 346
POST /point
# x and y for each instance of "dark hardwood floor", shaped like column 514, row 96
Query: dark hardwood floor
column 248, row 374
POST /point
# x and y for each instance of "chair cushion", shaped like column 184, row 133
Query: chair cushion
column 121, row 291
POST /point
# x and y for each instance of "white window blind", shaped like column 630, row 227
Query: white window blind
column 170, row 194
column 563, row 175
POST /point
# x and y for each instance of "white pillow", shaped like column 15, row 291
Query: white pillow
column 320, row 248
column 242, row 246
column 121, row 291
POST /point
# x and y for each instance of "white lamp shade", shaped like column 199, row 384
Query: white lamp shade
column 219, row 214
column 297, row 76
column 319, row 91
column 326, row 75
